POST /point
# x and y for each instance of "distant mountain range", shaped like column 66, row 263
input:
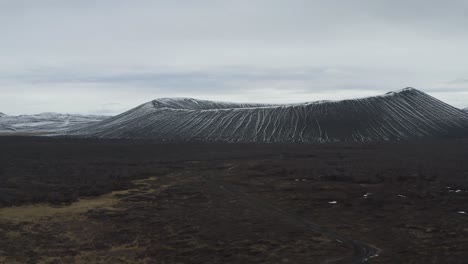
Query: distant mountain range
column 465, row 110
column 401, row 115
column 45, row 123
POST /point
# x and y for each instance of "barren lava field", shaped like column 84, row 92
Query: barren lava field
column 135, row 201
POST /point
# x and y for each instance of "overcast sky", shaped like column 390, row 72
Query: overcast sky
column 106, row 56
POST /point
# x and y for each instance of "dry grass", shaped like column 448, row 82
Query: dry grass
column 32, row 213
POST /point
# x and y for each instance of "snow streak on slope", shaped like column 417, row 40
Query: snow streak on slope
column 400, row 115
column 45, row 123
column 195, row 104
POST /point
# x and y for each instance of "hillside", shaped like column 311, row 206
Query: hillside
column 45, row 123
column 400, row 115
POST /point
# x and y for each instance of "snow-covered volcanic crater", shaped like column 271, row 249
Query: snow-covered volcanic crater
column 401, row 115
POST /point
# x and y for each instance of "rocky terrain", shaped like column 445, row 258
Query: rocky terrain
column 141, row 201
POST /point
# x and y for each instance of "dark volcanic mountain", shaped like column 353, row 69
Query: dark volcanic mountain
column 402, row 115
column 465, row 110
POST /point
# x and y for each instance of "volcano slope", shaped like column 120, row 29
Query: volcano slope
column 401, row 115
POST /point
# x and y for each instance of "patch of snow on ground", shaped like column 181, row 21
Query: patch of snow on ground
column 32, row 124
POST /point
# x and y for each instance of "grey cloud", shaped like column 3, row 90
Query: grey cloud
column 109, row 109
column 136, row 50
column 219, row 80
column 463, row 81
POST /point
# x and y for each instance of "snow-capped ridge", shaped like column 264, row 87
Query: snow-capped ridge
column 187, row 103
column 46, row 123
column 404, row 90
column 198, row 104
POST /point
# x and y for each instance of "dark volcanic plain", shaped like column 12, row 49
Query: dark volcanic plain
column 134, row 201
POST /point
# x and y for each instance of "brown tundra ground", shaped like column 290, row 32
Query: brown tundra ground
column 123, row 201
